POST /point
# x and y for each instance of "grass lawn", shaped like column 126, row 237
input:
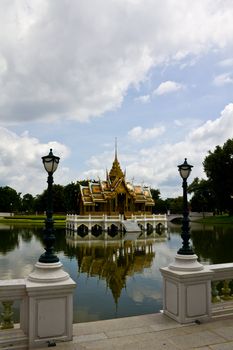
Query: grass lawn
column 59, row 220
column 216, row 219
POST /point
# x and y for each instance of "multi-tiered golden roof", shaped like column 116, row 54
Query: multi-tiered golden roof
column 115, row 195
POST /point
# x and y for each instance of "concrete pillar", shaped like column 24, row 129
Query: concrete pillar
column 187, row 290
column 50, row 304
column 165, row 222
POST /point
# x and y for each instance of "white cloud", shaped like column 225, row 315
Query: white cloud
column 228, row 62
column 168, row 87
column 143, row 99
column 22, row 169
column 20, row 162
column 214, row 132
column 139, row 134
column 77, row 59
column 157, row 165
column 223, row 79
column 178, row 122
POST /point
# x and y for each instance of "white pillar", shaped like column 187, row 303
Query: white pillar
column 50, row 304
column 187, row 289
column 165, row 222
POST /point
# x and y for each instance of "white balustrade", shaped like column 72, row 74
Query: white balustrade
column 46, row 289
column 222, row 289
column 11, row 291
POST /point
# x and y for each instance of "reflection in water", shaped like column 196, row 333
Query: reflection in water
column 111, row 272
column 10, row 236
column 112, row 261
column 213, row 244
column 9, row 240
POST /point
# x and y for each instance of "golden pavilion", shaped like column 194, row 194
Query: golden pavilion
column 115, row 195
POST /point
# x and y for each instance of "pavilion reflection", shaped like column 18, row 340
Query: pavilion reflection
column 112, row 261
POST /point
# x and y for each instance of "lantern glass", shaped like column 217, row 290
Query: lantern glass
column 185, row 169
column 50, row 162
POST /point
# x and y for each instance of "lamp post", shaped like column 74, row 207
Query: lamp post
column 187, row 283
column 50, row 164
column 185, row 170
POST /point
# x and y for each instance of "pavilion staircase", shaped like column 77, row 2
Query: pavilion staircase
column 132, row 229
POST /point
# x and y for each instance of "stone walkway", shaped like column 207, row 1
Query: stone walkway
column 151, row 332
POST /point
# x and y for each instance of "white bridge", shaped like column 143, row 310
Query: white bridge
column 91, row 224
column 193, row 215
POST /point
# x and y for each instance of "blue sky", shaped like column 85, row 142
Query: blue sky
column 158, row 75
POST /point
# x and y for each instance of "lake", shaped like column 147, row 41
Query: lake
column 114, row 278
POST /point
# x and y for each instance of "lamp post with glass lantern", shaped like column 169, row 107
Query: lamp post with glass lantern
column 49, row 288
column 185, row 170
column 185, row 259
column 187, row 283
column 50, row 164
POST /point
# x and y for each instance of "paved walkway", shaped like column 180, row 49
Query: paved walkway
column 151, row 332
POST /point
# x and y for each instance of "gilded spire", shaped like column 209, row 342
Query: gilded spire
column 115, row 148
column 115, row 172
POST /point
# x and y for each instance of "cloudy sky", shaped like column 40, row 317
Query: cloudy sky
column 75, row 74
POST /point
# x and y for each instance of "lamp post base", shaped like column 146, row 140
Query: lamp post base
column 186, row 263
column 48, row 273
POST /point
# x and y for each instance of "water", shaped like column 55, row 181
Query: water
column 114, row 279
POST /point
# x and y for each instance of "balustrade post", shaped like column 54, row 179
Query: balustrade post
column 215, row 292
column 226, row 291
column 50, row 304
column 7, row 315
column 187, row 294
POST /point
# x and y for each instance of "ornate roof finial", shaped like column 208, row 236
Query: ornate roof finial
column 115, row 148
column 115, row 172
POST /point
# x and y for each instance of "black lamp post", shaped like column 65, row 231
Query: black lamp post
column 50, row 163
column 185, row 170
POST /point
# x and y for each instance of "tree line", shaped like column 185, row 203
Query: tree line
column 215, row 193
column 64, row 200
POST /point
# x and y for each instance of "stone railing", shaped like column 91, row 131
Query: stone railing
column 73, row 221
column 193, row 292
column 222, row 289
column 12, row 335
column 6, row 214
column 11, row 291
column 47, row 288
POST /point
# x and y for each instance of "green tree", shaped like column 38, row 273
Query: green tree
column 203, row 197
column 28, row 203
column 58, row 200
column 176, row 205
column 71, row 193
column 161, row 205
column 158, row 207
column 10, row 200
column 155, row 193
column 218, row 166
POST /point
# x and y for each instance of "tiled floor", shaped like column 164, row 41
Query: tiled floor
column 148, row 332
